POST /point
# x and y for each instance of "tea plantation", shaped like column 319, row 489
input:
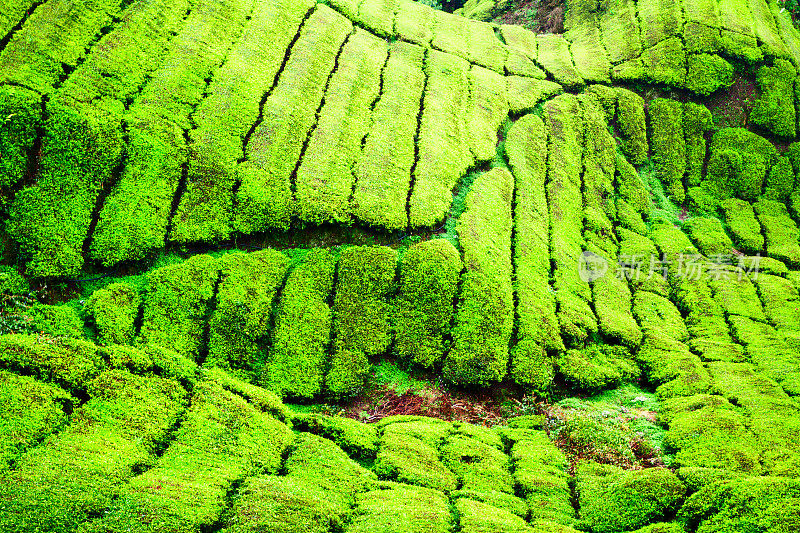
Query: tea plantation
column 221, row 221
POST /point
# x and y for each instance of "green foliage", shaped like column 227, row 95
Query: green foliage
column 71, row 363
column 358, row 439
column 12, row 282
column 663, row 63
column 325, row 177
column 478, row 466
column 553, row 55
column 264, row 199
column 264, row 400
column 745, row 229
column 495, row 499
column 540, row 473
column 469, row 39
column 402, row 509
column 774, row 109
column 707, row 431
column 55, row 321
column 362, row 315
column 612, row 499
column 780, row 232
column 708, row 73
column 221, row 439
column 443, row 157
column 177, row 303
column 29, row 411
column 485, row 315
column 153, row 360
column 114, row 310
column 487, row 110
column 597, row 367
column 477, row 517
column 537, row 325
column 779, row 183
column 669, row 146
column 383, row 172
column 20, row 118
column 701, row 38
column 286, row 504
column 672, row 367
column 323, row 462
column 81, row 147
column 406, row 458
column 708, row 235
column 755, row 504
column 616, row 427
column 296, row 361
column 632, row 125
column 564, row 120
column 52, row 40
column 428, row 282
column 242, row 317
column 739, row 163
column 79, row 471
column 740, row 45
column 697, row 120
column 226, row 114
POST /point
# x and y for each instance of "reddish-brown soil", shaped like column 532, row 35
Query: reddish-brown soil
column 546, row 16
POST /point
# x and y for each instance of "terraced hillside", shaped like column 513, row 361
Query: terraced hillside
column 210, row 207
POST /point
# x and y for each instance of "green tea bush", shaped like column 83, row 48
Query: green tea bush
column 177, row 302
column 669, row 146
column 226, row 114
column 537, row 325
column 325, row 178
column 113, row 310
column 540, row 472
column 745, row 229
column 71, row 363
column 707, row 431
column 613, row 499
column 476, row 517
column 774, row 109
column 301, row 337
column 361, row 315
column 478, row 466
column 780, row 231
column 30, row 411
column 708, row 235
column 496, row 499
column 322, row 462
column 597, row 367
column 485, row 315
column 765, row 504
column 708, row 73
column 358, row 439
column 408, row 459
column 779, row 184
column 221, row 439
column 286, row 504
column 739, row 163
column 402, row 508
column 242, row 317
column 80, row 471
column 429, row 274
column 264, row 200
column 383, row 172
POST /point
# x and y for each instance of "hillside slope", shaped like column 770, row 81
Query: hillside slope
column 210, row 207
